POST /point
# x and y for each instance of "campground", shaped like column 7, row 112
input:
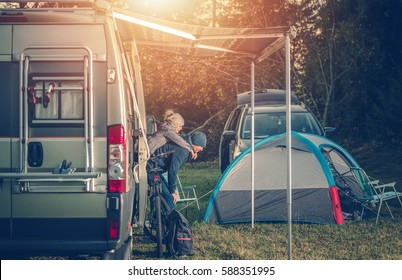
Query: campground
column 355, row 240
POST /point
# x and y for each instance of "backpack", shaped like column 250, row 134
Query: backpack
column 179, row 241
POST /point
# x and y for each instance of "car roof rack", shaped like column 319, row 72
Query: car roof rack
column 266, row 97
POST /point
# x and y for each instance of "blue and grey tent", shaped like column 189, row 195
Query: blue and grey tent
column 322, row 184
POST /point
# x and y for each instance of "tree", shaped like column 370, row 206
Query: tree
column 379, row 72
column 200, row 87
column 344, row 65
column 365, row 102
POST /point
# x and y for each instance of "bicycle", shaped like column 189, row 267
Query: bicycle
column 157, row 210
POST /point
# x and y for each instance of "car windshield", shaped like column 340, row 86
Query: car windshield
column 268, row 124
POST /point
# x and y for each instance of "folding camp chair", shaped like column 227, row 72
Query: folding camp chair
column 187, row 193
column 374, row 191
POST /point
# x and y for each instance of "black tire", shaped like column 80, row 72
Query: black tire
column 165, row 211
column 149, row 225
column 136, row 203
column 159, row 227
column 162, row 214
column 157, row 213
column 128, row 249
column 125, row 252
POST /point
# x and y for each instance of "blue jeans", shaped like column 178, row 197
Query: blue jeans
column 166, row 194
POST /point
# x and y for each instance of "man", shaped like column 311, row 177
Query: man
column 174, row 161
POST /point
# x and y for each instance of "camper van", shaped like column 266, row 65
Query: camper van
column 71, row 144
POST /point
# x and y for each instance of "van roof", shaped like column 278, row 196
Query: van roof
column 193, row 40
column 49, row 15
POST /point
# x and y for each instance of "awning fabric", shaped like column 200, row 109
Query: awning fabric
column 256, row 43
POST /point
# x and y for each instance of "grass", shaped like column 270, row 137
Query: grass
column 363, row 240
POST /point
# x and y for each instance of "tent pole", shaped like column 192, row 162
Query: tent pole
column 252, row 144
column 289, row 144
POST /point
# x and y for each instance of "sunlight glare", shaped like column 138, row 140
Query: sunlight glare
column 155, row 26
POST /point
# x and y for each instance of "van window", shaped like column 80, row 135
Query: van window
column 65, row 101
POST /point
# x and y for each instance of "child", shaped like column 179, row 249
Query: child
column 169, row 130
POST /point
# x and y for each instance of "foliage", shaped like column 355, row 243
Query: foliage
column 351, row 70
column 196, row 88
column 199, row 88
column 345, row 66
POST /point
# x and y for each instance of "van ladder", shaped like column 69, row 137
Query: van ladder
column 58, row 54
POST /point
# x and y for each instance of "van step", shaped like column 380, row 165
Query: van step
column 46, row 176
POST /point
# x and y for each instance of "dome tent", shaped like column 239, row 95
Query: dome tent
column 322, row 189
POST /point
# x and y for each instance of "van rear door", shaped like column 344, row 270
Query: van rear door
column 8, row 135
column 55, row 160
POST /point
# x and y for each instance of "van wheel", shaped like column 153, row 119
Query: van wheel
column 125, row 252
column 128, row 249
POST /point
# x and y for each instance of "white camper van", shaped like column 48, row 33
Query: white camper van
column 70, row 133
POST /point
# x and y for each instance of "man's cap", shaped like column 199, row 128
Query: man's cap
column 199, row 139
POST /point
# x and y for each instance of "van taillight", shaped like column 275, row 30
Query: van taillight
column 116, row 159
column 113, row 229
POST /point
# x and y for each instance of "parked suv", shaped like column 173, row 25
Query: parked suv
column 269, row 119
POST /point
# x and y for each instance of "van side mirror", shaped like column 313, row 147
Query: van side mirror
column 151, row 125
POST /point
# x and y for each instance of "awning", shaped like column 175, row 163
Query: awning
column 256, row 43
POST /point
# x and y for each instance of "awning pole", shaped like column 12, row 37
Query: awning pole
column 289, row 144
column 252, row 144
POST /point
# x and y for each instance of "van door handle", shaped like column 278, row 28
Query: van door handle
column 35, row 154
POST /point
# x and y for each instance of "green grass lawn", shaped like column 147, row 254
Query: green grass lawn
column 363, row 240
